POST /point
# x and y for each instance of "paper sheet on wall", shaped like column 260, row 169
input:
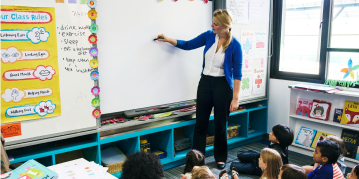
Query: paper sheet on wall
column 259, row 11
column 260, row 50
column 259, row 82
column 246, row 86
column 248, row 45
column 30, row 84
column 238, row 10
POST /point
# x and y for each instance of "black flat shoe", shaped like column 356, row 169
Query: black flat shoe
column 221, row 166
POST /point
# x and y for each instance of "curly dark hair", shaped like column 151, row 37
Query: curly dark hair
column 142, row 165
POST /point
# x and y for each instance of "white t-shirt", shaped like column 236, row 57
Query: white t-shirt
column 214, row 61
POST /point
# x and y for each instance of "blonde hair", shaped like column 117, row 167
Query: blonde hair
column 223, row 18
column 202, row 172
column 273, row 161
column 340, row 142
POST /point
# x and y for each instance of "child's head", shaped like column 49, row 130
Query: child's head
column 140, row 163
column 193, row 158
column 290, row 171
column 340, row 142
column 354, row 174
column 270, row 161
column 281, row 134
column 202, row 172
column 327, row 151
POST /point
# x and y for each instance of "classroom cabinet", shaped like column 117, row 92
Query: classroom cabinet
column 252, row 121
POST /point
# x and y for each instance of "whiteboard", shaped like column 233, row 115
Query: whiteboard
column 138, row 72
column 75, row 81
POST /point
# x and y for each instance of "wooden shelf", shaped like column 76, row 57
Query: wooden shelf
column 325, row 122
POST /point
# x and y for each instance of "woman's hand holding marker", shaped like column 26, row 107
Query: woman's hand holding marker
column 163, row 38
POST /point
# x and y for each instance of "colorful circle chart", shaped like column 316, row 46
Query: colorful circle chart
column 95, row 102
column 94, row 63
column 94, row 75
column 94, row 28
column 95, row 90
column 93, row 51
column 96, row 113
column 92, row 14
column 92, row 3
column 93, row 39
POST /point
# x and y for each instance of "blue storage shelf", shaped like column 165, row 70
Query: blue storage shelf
column 49, row 151
column 256, row 134
column 235, row 140
column 209, row 148
column 117, row 175
column 181, row 155
column 159, row 137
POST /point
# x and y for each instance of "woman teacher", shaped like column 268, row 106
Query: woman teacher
column 220, row 81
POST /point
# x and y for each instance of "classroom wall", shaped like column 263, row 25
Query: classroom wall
column 278, row 103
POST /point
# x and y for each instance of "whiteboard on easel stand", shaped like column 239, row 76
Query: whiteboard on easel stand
column 46, row 84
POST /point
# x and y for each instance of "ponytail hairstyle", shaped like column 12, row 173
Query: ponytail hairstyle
column 193, row 158
column 223, row 18
column 273, row 161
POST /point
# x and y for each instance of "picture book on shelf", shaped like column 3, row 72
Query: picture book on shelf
column 320, row 110
column 350, row 113
column 357, row 156
column 337, row 115
column 319, row 137
column 350, row 139
column 305, row 136
column 32, row 170
column 304, row 107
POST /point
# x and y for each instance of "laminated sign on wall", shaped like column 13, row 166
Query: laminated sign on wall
column 30, row 74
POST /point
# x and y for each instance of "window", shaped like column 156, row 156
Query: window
column 315, row 40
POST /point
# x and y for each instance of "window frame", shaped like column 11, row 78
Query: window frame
column 325, row 34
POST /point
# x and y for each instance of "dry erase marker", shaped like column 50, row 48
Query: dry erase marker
column 152, row 109
column 158, row 38
column 173, row 105
column 182, row 104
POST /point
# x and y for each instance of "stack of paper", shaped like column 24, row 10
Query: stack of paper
column 112, row 155
column 88, row 170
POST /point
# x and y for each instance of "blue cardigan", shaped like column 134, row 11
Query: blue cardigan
column 232, row 65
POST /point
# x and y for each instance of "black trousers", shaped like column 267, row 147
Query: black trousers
column 212, row 92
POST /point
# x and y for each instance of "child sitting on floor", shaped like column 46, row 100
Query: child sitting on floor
column 202, row 172
column 340, row 161
column 326, row 154
column 280, row 137
column 270, row 162
column 290, row 171
column 193, row 158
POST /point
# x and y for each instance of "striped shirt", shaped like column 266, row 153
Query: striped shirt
column 337, row 173
column 326, row 171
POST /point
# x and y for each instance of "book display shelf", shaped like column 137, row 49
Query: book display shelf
column 337, row 100
column 89, row 146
